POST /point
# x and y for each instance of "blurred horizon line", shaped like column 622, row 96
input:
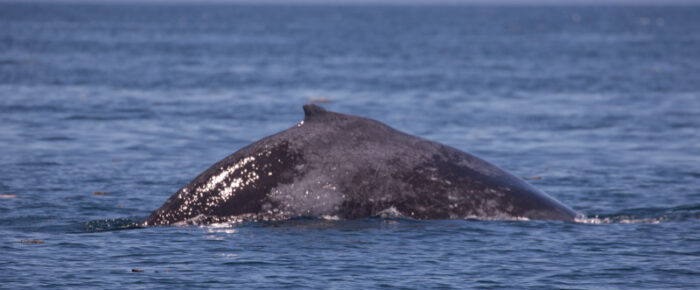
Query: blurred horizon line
column 374, row 2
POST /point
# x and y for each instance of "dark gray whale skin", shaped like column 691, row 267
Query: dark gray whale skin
column 346, row 167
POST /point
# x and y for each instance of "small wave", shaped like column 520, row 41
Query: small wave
column 106, row 117
column 628, row 216
column 17, row 62
column 644, row 216
column 596, row 220
column 330, row 217
column 203, row 219
column 498, row 218
column 391, row 212
column 114, row 224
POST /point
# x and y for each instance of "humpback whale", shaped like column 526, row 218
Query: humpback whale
column 340, row 166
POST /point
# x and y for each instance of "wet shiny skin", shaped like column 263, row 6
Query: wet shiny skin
column 134, row 101
column 349, row 167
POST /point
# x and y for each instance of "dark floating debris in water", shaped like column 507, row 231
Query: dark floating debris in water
column 31, row 242
column 537, row 177
column 136, row 271
column 100, row 193
column 7, row 196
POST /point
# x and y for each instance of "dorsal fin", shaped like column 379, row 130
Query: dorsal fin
column 311, row 110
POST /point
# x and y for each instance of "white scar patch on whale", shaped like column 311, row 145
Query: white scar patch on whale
column 316, row 196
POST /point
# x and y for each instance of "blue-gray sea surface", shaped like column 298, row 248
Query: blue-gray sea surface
column 598, row 106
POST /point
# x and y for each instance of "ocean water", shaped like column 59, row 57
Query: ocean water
column 107, row 110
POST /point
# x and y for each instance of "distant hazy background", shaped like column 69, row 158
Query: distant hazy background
column 391, row 2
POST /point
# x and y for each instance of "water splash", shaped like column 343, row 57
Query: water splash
column 627, row 216
column 644, row 216
column 390, row 212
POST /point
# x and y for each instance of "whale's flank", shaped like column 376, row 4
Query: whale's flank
column 345, row 166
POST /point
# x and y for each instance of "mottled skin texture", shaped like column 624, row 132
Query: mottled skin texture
column 344, row 166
